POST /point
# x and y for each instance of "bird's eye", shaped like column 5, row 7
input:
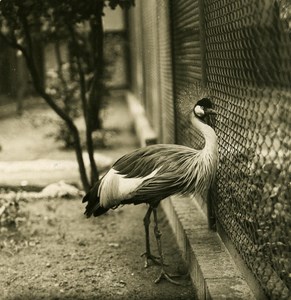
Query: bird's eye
column 198, row 111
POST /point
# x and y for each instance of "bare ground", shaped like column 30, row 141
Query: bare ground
column 59, row 254
column 56, row 253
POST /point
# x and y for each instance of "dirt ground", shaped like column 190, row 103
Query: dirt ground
column 59, row 254
column 56, row 253
column 30, row 139
column 30, row 136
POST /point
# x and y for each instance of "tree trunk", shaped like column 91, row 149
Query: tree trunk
column 39, row 87
column 97, row 88
column 90, row 149
column 93, row 121
column 86, row 110
column 72, row 127
column 79, row 156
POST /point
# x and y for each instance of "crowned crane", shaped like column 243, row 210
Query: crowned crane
column 153, row 173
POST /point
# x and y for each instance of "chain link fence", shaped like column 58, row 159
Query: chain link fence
column 248, row 53
column 240, row 53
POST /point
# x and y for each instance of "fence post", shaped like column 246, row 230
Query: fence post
column 212, row 191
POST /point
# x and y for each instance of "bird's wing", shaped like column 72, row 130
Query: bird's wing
column 138, row 163
column 143, row 161
column 158, row 188
column 146, row 173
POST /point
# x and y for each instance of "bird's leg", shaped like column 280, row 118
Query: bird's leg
column 163, row 274
column 148, row 254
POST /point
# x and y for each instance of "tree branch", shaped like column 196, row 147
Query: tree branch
column 80, row 72
column 67, row 93
column 89, row 140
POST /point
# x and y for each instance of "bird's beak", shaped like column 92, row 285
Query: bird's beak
column 210, row 115
column 209, row 111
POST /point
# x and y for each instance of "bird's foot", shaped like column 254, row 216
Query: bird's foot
column 169, row 278
column 149, row 256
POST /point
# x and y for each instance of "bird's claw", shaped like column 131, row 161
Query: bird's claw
column 153, row 258
column 169, row 278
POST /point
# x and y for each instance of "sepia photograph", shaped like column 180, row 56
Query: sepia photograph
column 145, row 149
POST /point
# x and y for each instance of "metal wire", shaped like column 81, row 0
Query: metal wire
column 249, row 73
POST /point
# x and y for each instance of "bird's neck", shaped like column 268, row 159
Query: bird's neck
column 205, row 160
column 209, row 135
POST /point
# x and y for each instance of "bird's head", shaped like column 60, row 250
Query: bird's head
column 203, row 110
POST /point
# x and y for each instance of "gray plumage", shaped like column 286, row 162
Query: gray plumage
column 153, row 173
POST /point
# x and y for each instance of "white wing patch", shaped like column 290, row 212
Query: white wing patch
column 115, row 187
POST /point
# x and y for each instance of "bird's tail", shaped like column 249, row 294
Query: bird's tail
column 93, row 207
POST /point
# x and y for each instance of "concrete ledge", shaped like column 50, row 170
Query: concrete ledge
column 212, row 269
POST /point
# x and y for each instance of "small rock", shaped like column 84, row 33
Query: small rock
column 48, row 265
column 67, row 255
column 113, row 245
column 2, row 209
column 82, row 243
column 3, row 229
column 122, row 282
column 64, row 283
column 60, row 189
column 24, row 183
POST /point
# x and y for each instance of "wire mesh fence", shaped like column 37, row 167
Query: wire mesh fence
column 249, row 73
column 240, row 52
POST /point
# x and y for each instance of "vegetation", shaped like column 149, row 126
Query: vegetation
column 27, row 25
column 257, row 216
column 11, row 211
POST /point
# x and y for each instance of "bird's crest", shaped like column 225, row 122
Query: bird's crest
column 205, row 102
